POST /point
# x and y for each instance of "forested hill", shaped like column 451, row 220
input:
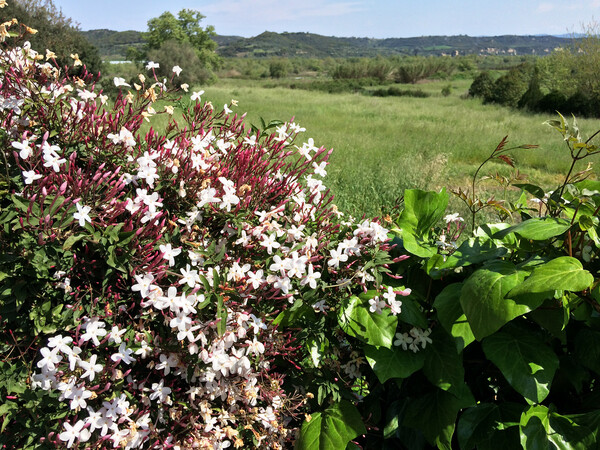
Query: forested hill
column 114, row 44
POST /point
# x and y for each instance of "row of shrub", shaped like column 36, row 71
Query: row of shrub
column 566, row 81
column 394, row 91
column 514, row 90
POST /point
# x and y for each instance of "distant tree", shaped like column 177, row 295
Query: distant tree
column 185, row 28
column 56, row 32
column 509, row 88
column 533, row 95
column 279, row 68
column 173, row 53
column 482, row 86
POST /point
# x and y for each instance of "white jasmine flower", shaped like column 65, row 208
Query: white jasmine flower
column 120, row 82
column 152, row 65
column 82, row 214
column 196, row 96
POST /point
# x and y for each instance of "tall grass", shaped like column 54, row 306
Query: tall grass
column 384, row 145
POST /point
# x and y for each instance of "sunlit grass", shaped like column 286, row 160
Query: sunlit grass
column 384, row 145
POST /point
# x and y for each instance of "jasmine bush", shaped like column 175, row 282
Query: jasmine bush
column 147, row 280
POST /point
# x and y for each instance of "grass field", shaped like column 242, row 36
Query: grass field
column 384, row 145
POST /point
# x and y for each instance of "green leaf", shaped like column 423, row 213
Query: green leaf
column 564, row 273
column 295, row 313
column 482, row 298
column 451, row 315
column 474, row 251
column 411, row 313
column 392, row 423
column 591, row 421
column 71, row 240
column 488, row 426
column 537, row 229
column 542, row 428
column 417, row 246
column 534, row 190
column 443, row 365
column 317, row 347
column 332, row 429
column 434, row 414
column 394, row 363
column 587, row 349
column 356, row 320
column 476, row 424
column 526, row 362
column 422, row 210
column 222, row 315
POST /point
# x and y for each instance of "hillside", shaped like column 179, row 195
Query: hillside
column 114, row 44
column 314, row 45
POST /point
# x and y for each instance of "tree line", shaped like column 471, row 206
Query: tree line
column 566, row 81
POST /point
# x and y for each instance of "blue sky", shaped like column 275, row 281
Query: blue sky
column 344, row 18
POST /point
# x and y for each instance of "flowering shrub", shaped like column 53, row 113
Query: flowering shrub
column 153, row 286
column 195, row 287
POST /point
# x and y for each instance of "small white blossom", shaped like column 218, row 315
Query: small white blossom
column 82, row 214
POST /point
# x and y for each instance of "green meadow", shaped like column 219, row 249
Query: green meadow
column 383, row 145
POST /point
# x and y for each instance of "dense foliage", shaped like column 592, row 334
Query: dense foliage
column 54, row 31
column 196, row 287
column 179, row 41
column 564, row 81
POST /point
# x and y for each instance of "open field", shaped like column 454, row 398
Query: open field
column 384, row 145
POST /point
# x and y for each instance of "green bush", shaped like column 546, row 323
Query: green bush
column 482, row 86
column 394, row 91
column 182, row 54
column 509, row 88
column 279, row 68
column 551, row 102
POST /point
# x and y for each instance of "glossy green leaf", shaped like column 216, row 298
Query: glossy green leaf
column 526, row 362
column 451, row 315
column 411, row 312
column 489, row 230
column 489, row 426
column 474, row 251
column 331, row 429
column 534, row 190
column 434, row 414
column 443, row 366
column 422, row 210
column 542, row 428
column 376, row 329
column 394, row 363
column 564, row 273
column 417, row 246
column 537, row 229
column 483, row 298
